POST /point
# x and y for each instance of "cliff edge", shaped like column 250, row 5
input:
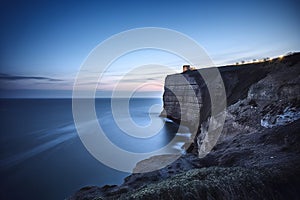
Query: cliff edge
column 258, row 152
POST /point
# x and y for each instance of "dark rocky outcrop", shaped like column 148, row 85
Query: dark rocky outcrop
column 271, row 88
column 257, row 155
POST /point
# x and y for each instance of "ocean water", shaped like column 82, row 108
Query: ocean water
column 42, row 156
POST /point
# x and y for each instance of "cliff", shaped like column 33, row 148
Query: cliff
column 258, row 152
column 271, row 89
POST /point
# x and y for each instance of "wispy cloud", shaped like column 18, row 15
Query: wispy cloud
column 12, row 81
column 9, row 77
column 145, row 78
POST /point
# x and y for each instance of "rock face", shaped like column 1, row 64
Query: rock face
column 257, row 155
column 182, row 97
column 265, row 93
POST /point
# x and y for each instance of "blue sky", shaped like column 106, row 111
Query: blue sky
column 43, row 43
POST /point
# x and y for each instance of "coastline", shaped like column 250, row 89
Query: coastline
column 249, row 161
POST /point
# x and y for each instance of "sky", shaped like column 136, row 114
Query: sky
column 44, row 43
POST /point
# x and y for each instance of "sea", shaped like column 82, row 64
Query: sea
column 42, row 156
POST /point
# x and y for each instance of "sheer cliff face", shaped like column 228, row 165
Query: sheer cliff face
column 187, row 100
column 182, row 98
column 261, row 95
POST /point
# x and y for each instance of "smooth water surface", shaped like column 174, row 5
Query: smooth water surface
column 42, row 156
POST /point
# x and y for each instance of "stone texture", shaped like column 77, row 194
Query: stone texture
column 271, row 88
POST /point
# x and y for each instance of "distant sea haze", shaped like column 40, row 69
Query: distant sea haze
column 42, row 156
